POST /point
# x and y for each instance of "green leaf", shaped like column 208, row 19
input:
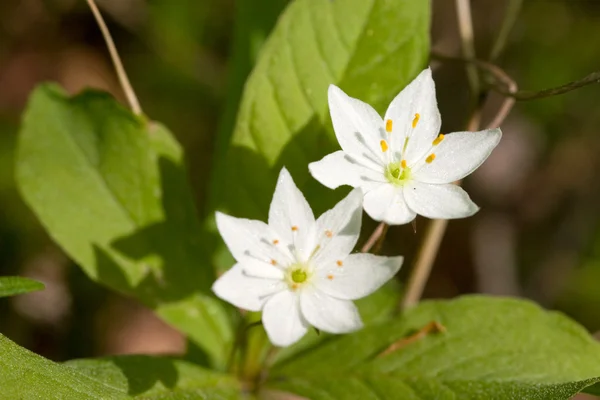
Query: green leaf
column 153, row 378
column 25, row 375
column 492, row 348
column 13, row 285
column 370, row 48
column 112, row 190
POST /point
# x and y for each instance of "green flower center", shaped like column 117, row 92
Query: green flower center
column 299, row 275
column 397, row 175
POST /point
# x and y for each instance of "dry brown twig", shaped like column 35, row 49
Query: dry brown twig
column 116, row 59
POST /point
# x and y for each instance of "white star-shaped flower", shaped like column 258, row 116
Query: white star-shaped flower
column 299, row 271
column 402, row 163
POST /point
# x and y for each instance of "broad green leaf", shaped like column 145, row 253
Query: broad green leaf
column 13, row 285
column 25, row 375
column 370, row 48
column 153, row 378
column 111, row 189
column 254, row 19
column 492, row 349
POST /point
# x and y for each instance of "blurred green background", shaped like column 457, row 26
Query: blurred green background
column 537, row 235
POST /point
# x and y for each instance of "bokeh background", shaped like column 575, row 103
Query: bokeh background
column 537, row 235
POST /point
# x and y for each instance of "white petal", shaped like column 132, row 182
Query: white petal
column 386, row 203
column 338, row 230
column 290, row 215
column 416, row 98
column 328, row 313
column 243, row 291
column 358, row 128
column 439, row 201
column 251, row 240
column 358, row 276
column 458, row 155
column 258, row 269
column 337, row 169
column 282, row 319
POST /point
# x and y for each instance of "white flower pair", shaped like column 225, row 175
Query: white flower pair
column 298, row 270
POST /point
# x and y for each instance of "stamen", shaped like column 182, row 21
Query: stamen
column 438, row 139
column 294, row 286
column 330, row 277
column 384, row 146
column 403, row 163
column 273, row 262
column 405, row 144
column 317, row 248
column 328, row 233
column 416, row 120
column 294, row 228
column 388, row 126
column 430, row 158
column 275, row 241
column 339, row 263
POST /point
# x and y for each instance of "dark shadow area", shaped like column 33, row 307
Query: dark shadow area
column 144, row 372
column 178, row 266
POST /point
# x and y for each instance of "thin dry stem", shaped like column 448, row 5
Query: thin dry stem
column 375, row 236
column 435, row 232
column 465, row 27
column 116, row 59
column 424, row 262
column 510, row 17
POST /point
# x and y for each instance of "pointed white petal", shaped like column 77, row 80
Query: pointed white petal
column 337, row 169
column 258, row 269
column 290, row 215
column 251, row 240
column 457, row 155
column 358, row 128
column 445, row 201
column 416, row 98
column 358, row 276
column 386, row 203
column 328, row 313
column 282, row 319
column 338, row 230
column 235, row 287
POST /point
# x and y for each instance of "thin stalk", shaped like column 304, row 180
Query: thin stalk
column 116, row 59
column 437, row 228
column 508, row 22
column 465, row 28
column 377, row 235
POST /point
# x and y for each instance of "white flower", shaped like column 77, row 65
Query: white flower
column 299, row 271
column 402, row 163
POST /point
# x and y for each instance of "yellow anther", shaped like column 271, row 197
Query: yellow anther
column 330, row 277
column 275, row 241
column 328, row 233
column 388, row 126
column 339, row 263
column 438, row 139
column 294, row 286
column 294, row 228
column 416, row 120
column 403, row 163
column 384, row 146
column 273, row 262
column 430, row 158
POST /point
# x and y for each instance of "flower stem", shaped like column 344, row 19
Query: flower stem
column 376, row 237
column 424, row 262
column 116, row 59
column 465, row 27
column 436, row 229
